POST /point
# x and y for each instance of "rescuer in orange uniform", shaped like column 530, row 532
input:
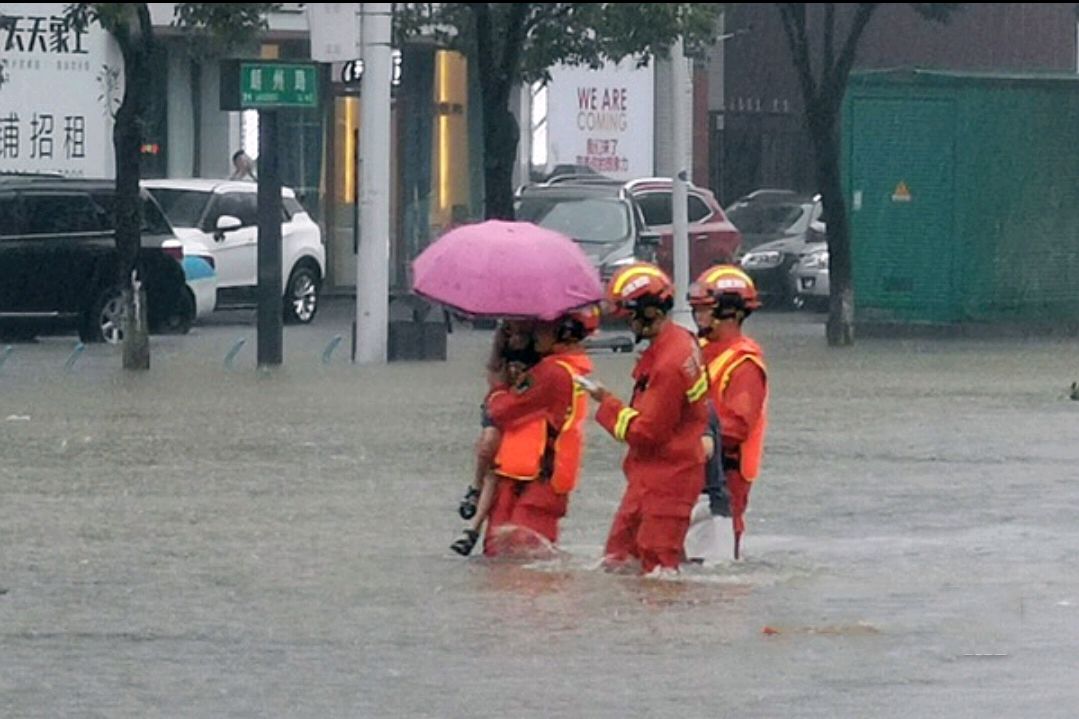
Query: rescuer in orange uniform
column 662, row 425
column 721, row 298
column 541, row 418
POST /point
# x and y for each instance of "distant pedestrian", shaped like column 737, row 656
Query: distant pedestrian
column 243, row 167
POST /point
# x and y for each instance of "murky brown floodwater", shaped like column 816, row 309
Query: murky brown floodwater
column 202, row 542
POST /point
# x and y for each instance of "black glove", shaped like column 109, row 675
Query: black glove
column 719, row 501
column 467, row 507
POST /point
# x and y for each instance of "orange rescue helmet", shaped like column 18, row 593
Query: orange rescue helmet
column 726, row 288
column 638, row 286
column 578, row 324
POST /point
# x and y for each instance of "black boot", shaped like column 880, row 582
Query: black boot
column 464, row 545
column 467, row 507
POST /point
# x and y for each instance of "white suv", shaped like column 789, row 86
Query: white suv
column 218, row 219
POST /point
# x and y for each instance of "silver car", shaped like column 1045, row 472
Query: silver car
column 809, row 278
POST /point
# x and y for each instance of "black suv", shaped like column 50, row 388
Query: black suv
column 596, row 213
column 58, row 261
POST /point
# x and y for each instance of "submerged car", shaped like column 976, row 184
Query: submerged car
column 58, row 261
column 218, row 221
column 600, row 217
column 809, row 278
column 778, row 227
column 713, row 238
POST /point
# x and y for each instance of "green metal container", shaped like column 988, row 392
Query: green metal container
column 963, row 191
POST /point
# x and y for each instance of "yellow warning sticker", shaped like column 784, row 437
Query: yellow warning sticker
column 901, row 193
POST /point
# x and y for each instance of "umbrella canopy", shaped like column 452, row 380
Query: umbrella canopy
column 506, row 269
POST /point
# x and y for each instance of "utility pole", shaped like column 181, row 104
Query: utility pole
column 679, row 196
column 270, row 333
column 373, row 255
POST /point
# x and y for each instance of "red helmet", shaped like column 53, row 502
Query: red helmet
column 637, row 286
column 578, row 324
column 725, row 287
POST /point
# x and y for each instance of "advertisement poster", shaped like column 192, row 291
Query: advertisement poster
column 602, row 119
column 58, row 90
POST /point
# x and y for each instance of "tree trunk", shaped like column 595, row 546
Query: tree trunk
column 823, row 127
column 127, row 142
column 500, row 137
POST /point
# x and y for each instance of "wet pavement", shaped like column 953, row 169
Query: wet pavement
column 205, row 540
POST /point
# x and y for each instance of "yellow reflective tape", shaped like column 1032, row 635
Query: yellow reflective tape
column 628, row 275
column 621, row 425
column 699, row 388
column 728, row 271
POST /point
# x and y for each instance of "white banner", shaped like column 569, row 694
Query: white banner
column 56, row 87
column 335, row 31
column 602, row 119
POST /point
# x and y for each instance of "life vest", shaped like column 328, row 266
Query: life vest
column 720, row 369
column 534, row 448
column 521, row 449
column 569, row 443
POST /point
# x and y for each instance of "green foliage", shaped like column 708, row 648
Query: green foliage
column 570, row 33
column 220, row 27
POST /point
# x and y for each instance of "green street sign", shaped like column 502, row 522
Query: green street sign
column 262, row 84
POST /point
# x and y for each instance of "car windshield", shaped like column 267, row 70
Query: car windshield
column 184, row 208
column 767, row 218
column 600, row 220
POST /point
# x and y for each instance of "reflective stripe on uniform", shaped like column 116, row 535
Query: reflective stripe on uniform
column 621, row 425
column 699, row 388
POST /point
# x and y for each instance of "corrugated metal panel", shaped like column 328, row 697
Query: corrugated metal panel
column 990, row 231
column 902, row 179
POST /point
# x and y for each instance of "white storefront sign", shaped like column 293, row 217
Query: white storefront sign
column 334, row 31
column 56, row 88
column 602, row 119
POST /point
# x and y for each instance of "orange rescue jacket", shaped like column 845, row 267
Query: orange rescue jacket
column 722, row 363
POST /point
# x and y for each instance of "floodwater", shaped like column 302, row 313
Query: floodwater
column 206, row 541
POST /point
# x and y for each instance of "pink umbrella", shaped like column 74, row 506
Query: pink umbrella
column 514, row 269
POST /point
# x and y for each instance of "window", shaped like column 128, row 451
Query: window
column 182, row 207
column 9, row 215
column 698, row 209
column 63, row 213
column 243, row 205
column 656, row 207
column 153, row 222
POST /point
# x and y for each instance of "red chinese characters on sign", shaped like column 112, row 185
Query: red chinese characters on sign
column 605, row 113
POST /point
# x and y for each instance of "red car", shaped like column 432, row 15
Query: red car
column 712, row 237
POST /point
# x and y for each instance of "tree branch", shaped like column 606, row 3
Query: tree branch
column 794, row 26
column 829, row 36
column 837, row 76
column 515, row 38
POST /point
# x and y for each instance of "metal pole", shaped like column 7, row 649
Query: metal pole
column 270, row 320
column 679, row 200
column 373, row 258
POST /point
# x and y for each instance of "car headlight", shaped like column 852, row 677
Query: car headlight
column 761, row 260
column 815, row 261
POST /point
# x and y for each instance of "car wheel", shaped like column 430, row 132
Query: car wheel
column 182, row 316
column 104, row 322
column 301, row 295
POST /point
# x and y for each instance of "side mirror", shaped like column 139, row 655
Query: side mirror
column 818, row 231
column 228, row 223
column 649, row 239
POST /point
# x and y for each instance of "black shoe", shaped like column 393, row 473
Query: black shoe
column 467, row 507
column 464, row 545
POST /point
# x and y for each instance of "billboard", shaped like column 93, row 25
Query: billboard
column 603, row 119
column 58, row 90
